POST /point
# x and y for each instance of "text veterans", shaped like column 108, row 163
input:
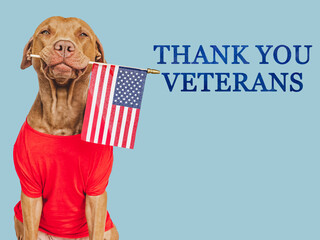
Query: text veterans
column 234, row 55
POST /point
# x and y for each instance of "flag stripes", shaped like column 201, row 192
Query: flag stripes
column 89, row 102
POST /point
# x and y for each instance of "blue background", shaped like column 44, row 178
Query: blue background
column 209, row 165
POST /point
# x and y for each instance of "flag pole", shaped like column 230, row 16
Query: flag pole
column 148, row 70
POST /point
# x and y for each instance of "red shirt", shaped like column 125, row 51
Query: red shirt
column 61, row 169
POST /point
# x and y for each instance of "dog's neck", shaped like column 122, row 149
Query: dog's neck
column 59, row 110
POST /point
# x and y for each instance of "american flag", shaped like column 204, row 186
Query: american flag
column 113, row 105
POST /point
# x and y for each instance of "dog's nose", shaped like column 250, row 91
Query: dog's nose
column 64, row 48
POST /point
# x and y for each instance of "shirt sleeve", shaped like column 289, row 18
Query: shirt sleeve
column 99, row 175
column 29, row 179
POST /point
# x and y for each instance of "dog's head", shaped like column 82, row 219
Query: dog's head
column 65, row 45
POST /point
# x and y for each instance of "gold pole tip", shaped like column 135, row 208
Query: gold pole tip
column 153, row 71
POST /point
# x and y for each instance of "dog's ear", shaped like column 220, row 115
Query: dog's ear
column 99, row 52
column 26, row 59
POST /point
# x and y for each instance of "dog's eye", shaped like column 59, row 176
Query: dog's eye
column 84, row 35
column 45, row 32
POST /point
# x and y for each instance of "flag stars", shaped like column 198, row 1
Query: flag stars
column 129, row 88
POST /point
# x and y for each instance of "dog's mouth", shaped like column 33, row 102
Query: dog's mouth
column 62, row 73
column 63, row 69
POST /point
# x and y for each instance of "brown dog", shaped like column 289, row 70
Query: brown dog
column 65, row 45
